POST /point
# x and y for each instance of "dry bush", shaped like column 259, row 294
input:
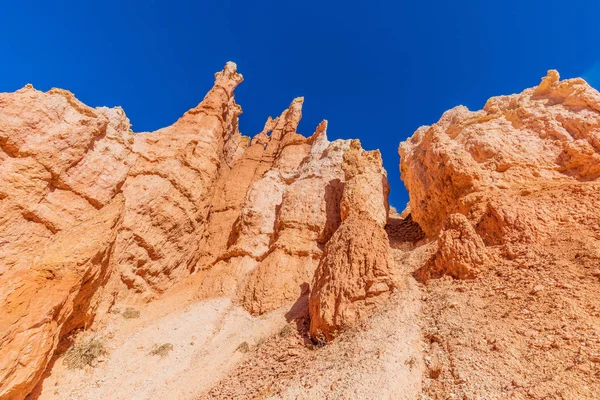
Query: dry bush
column 260, row 342
column 131, row 313
column 244, row 347
column 84, row 353
column 162, row 350
column 286, row 331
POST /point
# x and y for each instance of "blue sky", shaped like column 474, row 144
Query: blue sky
column 376, row 70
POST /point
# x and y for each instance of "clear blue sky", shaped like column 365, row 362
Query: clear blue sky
column 377, row 70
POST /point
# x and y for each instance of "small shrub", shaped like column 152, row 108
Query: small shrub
column 319, row 340
column 244, row 347
column 285, row 331
column 260, row 342
column 84, row 353
column 131, row 313
column 162, row 350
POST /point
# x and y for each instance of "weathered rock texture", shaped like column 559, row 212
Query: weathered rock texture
column 512, row 195
column 523, row 169
column 271, row 215
column 91, row 213
column 85, row 201
column 356, row 273
column 460, row 251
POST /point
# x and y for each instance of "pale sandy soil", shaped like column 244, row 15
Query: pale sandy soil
column 381, row 359
column 204, row 336
column 525, row 329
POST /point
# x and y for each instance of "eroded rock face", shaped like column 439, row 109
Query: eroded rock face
column 169, row 189
column 307, row 216
column 366, row 189
column 460, row 253
column 524, row 169
column 356, row 274
column 57, row 293
column 92, row 214
column 271, row 214
column 87, row 205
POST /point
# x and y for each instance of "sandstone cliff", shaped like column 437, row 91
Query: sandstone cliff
column 94, row 214
column 523, row 169
column 87, row 204
column 502, row 229
column 221, row 239
column 509, row 197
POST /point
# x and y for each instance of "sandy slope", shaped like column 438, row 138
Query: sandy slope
column 380, row 359
column 526, row 331
column 204, row 336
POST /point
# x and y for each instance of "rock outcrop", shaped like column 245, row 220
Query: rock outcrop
column 92, row 214
column 524, row 169
column 509, row 195
column 55, row 294
column 460, row 252
column 86, row 204
column 272, row 213
column 356, row 273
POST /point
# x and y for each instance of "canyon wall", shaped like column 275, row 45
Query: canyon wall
column 509, row 198
column 93, row 214
column 92, row 211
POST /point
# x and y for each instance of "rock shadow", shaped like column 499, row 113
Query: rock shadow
column 298, row 314
column 403, row 230
column 333, row 197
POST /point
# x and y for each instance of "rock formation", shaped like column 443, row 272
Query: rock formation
column 460, row 251
column 509, row 195
column 86, row 204
column 355, row 275
column 272, row 213
column 522, row 170
column 93, row 213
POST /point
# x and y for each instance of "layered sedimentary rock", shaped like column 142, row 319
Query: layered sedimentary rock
column 524, row 169
column 271, row 213
column 169, row 189
column 356, row 273
column 85, row 201
column 56, row 293
column 92, row 213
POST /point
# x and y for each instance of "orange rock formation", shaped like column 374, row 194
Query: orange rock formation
column 524, row 169
column 511, row 194
column 90, row 211
column 356, row 273
column 93, row 213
